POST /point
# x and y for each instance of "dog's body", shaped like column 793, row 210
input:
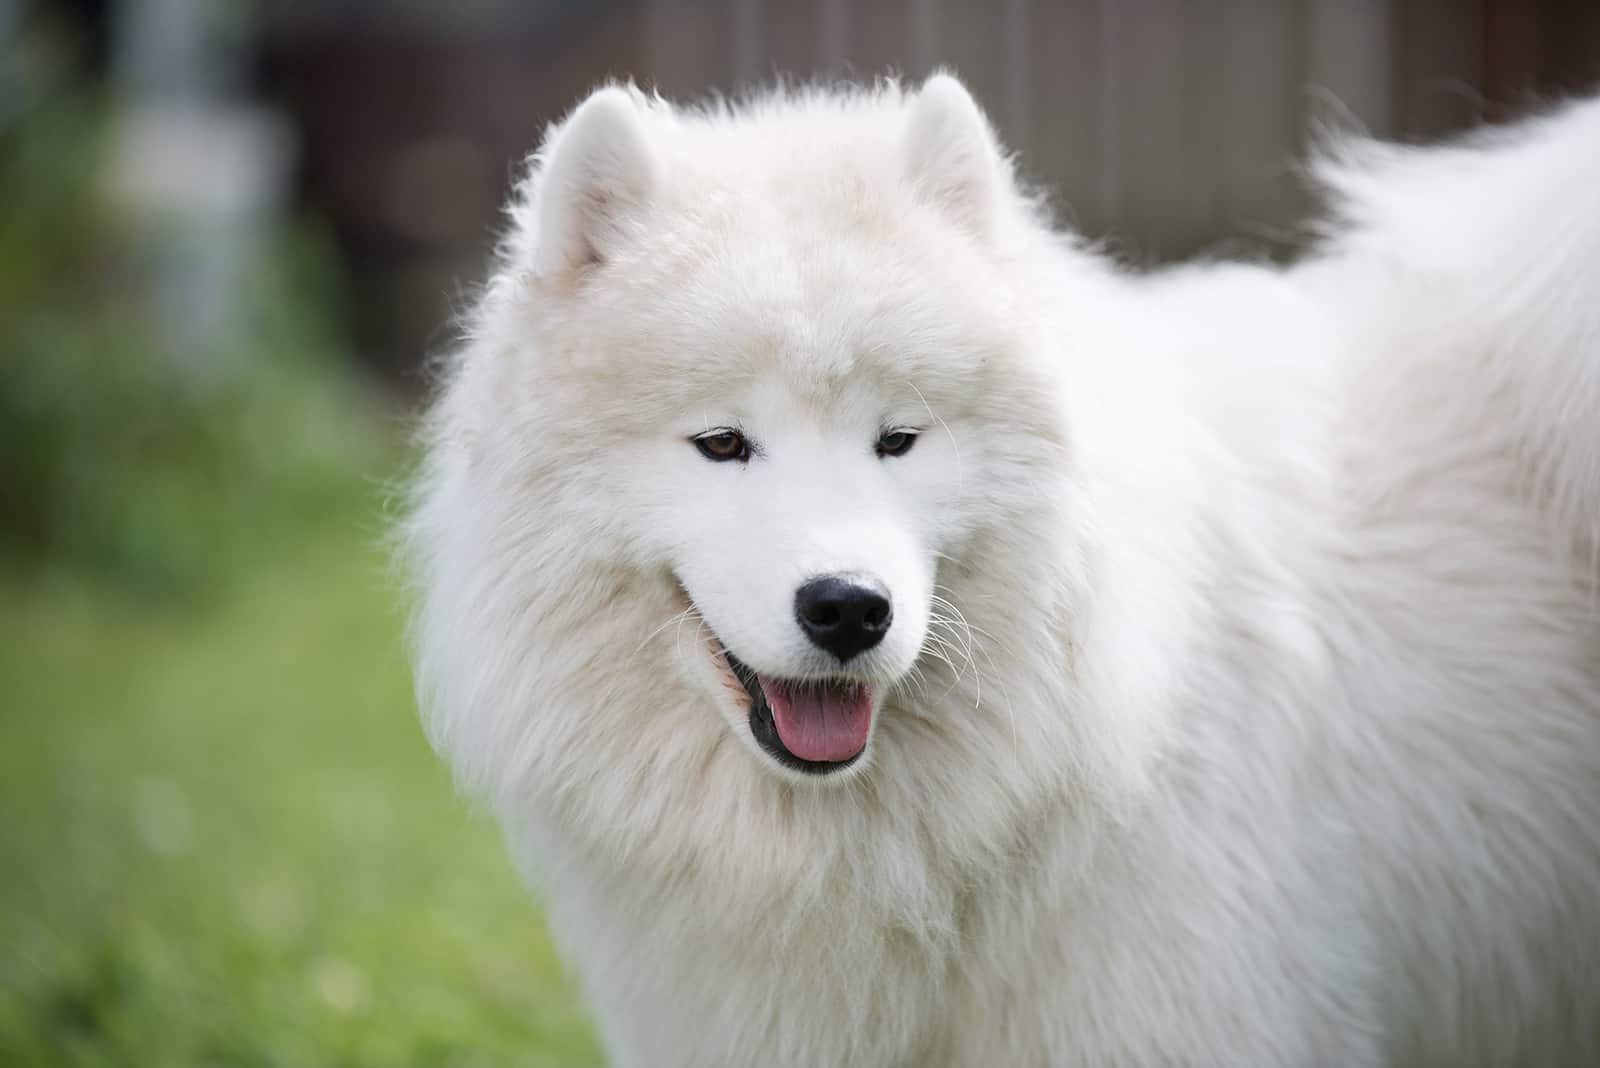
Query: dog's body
column 1241, row 699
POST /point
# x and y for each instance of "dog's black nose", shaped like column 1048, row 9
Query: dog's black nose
column 844, row 614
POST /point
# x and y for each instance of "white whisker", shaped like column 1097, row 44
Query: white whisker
column 953, row 446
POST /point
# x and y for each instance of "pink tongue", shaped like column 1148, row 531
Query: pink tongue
column 826, row 721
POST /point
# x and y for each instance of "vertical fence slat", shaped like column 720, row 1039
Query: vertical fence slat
column 1350, row 57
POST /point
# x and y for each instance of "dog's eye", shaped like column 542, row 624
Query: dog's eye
column 722, row 445
column 896, row 442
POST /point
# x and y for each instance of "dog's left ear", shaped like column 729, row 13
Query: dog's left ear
column 951, row 156
column 599, row 172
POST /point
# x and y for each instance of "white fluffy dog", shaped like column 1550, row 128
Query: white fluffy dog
column 892, row 635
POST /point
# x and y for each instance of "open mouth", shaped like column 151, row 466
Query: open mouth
column 811, row 725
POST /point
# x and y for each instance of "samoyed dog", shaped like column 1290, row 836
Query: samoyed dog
column 891, row 634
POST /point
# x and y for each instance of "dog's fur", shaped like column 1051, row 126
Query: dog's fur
column 1242, row 703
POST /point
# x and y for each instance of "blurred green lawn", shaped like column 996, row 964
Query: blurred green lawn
column 226, row 843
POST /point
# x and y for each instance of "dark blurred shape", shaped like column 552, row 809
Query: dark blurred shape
column 413, row 122
column 1170, row 126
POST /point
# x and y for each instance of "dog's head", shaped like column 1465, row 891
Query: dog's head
column 750, row 395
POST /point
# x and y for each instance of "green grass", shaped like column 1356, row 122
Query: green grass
column 224, row 841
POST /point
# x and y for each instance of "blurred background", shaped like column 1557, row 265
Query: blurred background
column 232, row 234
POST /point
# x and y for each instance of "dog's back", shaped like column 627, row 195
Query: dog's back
column 1464, row 284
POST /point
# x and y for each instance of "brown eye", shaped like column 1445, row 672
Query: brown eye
column 896, row 442
column 723, row 445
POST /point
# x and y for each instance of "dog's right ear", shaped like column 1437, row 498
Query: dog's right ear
column 599, row 173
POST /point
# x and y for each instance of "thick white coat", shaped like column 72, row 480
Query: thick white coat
column 1243, row 701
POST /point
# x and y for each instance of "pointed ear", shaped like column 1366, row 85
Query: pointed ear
column 951, row 157
column 599, row 174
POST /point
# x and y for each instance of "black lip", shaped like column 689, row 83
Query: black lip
column 766, row 731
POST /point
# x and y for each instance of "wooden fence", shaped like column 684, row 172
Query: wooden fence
column 1169, row 126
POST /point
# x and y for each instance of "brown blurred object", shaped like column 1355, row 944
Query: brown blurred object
column 1169, row 126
